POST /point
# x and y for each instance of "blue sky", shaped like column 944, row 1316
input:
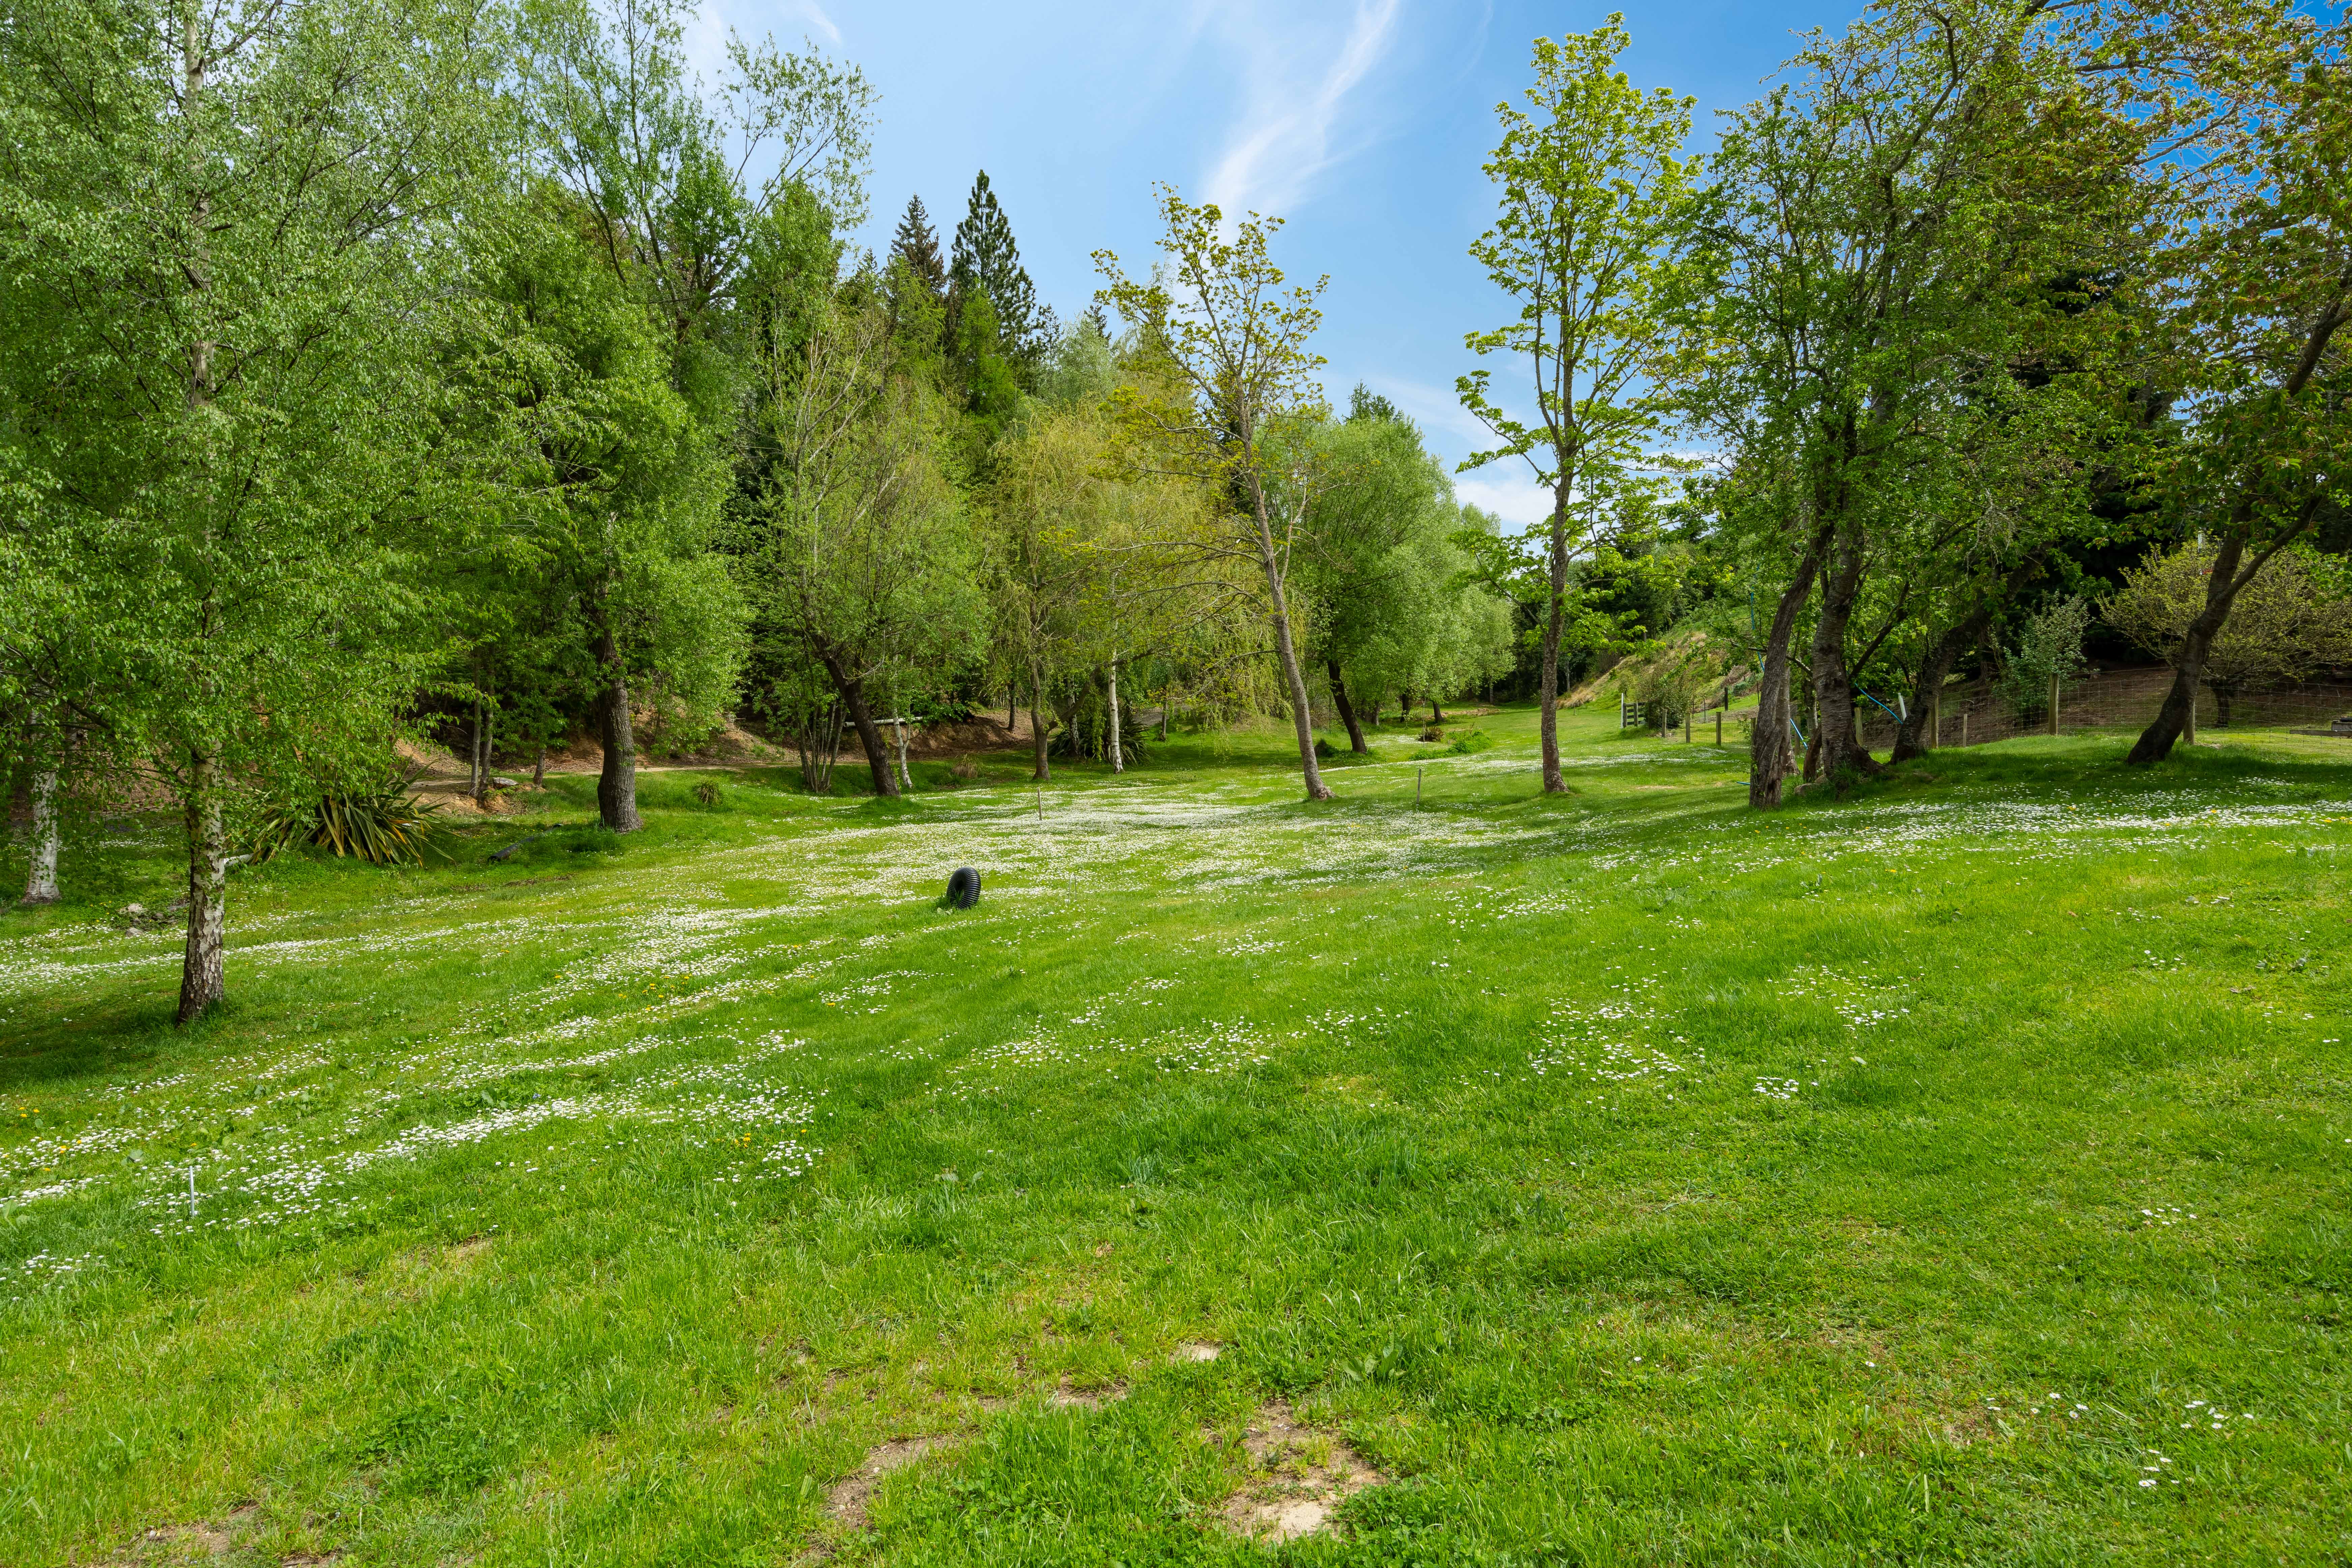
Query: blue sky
column 1363, row 122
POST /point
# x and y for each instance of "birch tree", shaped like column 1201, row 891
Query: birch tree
column 222, row 216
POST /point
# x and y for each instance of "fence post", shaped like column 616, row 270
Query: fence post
column 2053, row 704
column 1686, row 740
column 1964, row 730
column 1620, row 711
column 1718, row 726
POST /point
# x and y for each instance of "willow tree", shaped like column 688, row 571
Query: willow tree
column 230, row 220
column 1591, row 238
column 854, row 547
column 1392, row 611
column 1227, row 361
column 1044, row 503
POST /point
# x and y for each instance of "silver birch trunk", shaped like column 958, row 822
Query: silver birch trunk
column 41, row 883
column 1117, row 752
column 201, row 979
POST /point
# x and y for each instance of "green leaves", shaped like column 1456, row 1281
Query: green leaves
column 1594, row 225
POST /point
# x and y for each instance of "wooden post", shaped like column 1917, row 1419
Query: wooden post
column 1620, row 711
column 1687, row 740
column 2053, row 704
column 1718, row 726
column 1964, row 730
column 1416, row 784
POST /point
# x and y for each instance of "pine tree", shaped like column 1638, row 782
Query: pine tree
column 985, row 257
column 917, row 245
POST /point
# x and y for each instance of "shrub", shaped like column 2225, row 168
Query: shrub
column 2049, row 647
column 384, row 825
column 707, row 793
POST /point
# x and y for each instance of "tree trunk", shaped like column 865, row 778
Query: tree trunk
column 201, row 979
column 539, row 769
column 2179, row 709
column 2222, row 691
column 1914, row 736
column 1044, row 771
column 1837, row 738
column 869, row 734
column 1555, row 615
column 1012, row 705
column 1347, row 709
column 1165, row 705
column 41, row 880
column 1770, row 756
column 1117, row 752
column 1373, row 718
column 482, row 755
column 1434, row 716
column 1288, row 653
column 616, row 784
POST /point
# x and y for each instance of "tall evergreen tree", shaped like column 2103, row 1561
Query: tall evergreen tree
column 986, row 258
column 917, row 245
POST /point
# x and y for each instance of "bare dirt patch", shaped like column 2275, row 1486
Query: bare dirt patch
column 1065, row 1397
column 1298, row 1477
column 1198, row 1349
column 189, row 1542
column 854, row 1491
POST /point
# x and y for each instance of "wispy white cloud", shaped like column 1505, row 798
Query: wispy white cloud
column 1296, row 83
column 705, row 33
column 1515, row 496
column 1436, row 409
column 821, row 25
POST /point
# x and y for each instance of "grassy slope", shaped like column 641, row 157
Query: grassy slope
column 1632, row 1179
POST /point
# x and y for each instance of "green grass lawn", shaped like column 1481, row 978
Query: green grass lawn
column 1957, row 1173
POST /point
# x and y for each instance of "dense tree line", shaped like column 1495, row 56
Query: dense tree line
column 452, row 366
column 446, row 364
column 1984, row 309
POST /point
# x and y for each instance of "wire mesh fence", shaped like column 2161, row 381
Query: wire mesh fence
column 1977, row 713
